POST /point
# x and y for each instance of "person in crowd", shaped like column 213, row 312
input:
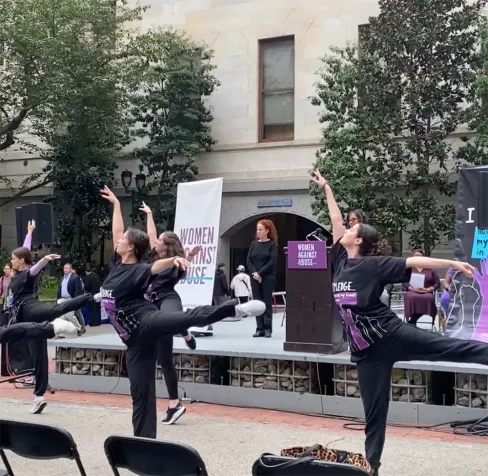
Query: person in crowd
column 419, row 298
column 4, row 293
column 163, row 294
column 221, row 290
column 377, row 337
column 354, row 217
column 92, row 285
column 445, row 299
column 261, row 263
column 71, row 286
column 139, row 322
column 241, row 285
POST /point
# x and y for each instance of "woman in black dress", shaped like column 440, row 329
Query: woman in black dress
column 377, row 337
column 139, row 322
column 162, row 293
column 261, row 263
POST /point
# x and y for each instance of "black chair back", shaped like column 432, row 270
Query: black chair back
column 148, row 457
column 268, row 465
column 35, row 441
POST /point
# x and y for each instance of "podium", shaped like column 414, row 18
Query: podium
column 312, row 318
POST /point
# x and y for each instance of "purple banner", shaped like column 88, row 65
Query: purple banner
column 307, row 255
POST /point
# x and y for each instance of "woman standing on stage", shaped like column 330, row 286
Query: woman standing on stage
column 261, row 263
column 163, row 294
column 377, row 337
column 139, row 322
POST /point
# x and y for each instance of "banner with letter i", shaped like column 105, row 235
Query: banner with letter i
column 197, row 223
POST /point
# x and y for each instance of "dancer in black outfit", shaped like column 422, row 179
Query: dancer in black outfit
column 139, row 322
column 377, row 337
column 25, row 306
column 162, row 293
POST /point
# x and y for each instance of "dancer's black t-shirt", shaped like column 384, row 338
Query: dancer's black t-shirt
column 23, row 286
column 163, row 284
column 357, row 285
column 123, row 295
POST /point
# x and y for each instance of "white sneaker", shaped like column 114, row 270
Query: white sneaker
column 63, row 327
column 250, row 308
column 38, row 405
column 71, row 317
column 97, row 297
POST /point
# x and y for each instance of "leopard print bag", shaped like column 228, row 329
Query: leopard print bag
column 323, row 453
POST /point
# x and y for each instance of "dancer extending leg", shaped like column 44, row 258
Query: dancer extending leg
column 26, row 307
column 23, row 284
column 377, row 337
column 139, row 323
column 162, row 292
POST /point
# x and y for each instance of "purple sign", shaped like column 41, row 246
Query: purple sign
column 307, row 255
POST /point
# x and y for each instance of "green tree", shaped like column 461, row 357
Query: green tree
column 87, row 125
column 172, row 80
column 475, row 147
column 406, row 92
column 48, row 47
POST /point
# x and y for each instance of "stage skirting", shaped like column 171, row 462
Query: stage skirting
column 232, row 368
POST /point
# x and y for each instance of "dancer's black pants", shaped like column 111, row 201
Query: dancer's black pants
column 142, row 355
column 32, row 310
column 170, row 303
column 376, row 363
column 38, row 350
column 27, row 331
column 263, row 291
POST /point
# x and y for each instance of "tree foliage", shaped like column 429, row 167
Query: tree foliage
column 172, row 82
column 77, row 103
column 390, row 111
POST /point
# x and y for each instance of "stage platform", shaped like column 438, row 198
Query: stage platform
column 234, row 368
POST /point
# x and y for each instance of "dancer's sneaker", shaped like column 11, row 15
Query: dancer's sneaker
column 71, row 317
column 38, row 405
column 173, row 414
column 250, row 308
column 63, row 328
column 97, row 297
column 191, row 343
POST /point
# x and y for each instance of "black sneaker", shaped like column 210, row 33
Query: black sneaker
column 192, row 343
column 375, row 472
column 173, row 414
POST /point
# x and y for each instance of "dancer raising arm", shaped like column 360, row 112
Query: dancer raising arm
column 163, row 294
column 377, row 337
column 139, row 322
column 25, row 306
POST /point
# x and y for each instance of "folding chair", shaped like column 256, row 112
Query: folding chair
column 34, row 441
column 148, row 457
column 268, row 465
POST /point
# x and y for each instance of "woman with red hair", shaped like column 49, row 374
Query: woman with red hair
column 261, row 263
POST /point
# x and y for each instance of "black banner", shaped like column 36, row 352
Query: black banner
column 468, row 316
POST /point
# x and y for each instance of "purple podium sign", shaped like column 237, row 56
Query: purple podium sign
column 307, row 255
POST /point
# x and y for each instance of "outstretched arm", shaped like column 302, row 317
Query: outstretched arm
column 165, row 263
column 334, row 210
column 117, row 219
column 41, row 264
column 31, row 226
column 152, row 232
column 422, row 262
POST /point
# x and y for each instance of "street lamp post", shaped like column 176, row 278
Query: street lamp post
column 126, row 178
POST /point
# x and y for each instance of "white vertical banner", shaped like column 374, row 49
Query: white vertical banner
column 197, row 223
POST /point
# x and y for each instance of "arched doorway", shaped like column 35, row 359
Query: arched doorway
column 290, row 227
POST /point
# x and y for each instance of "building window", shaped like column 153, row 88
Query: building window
column 277, row 89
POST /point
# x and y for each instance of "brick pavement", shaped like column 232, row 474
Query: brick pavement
column 237, row 413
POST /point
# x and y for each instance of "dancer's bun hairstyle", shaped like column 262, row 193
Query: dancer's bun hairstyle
column 372, row 245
